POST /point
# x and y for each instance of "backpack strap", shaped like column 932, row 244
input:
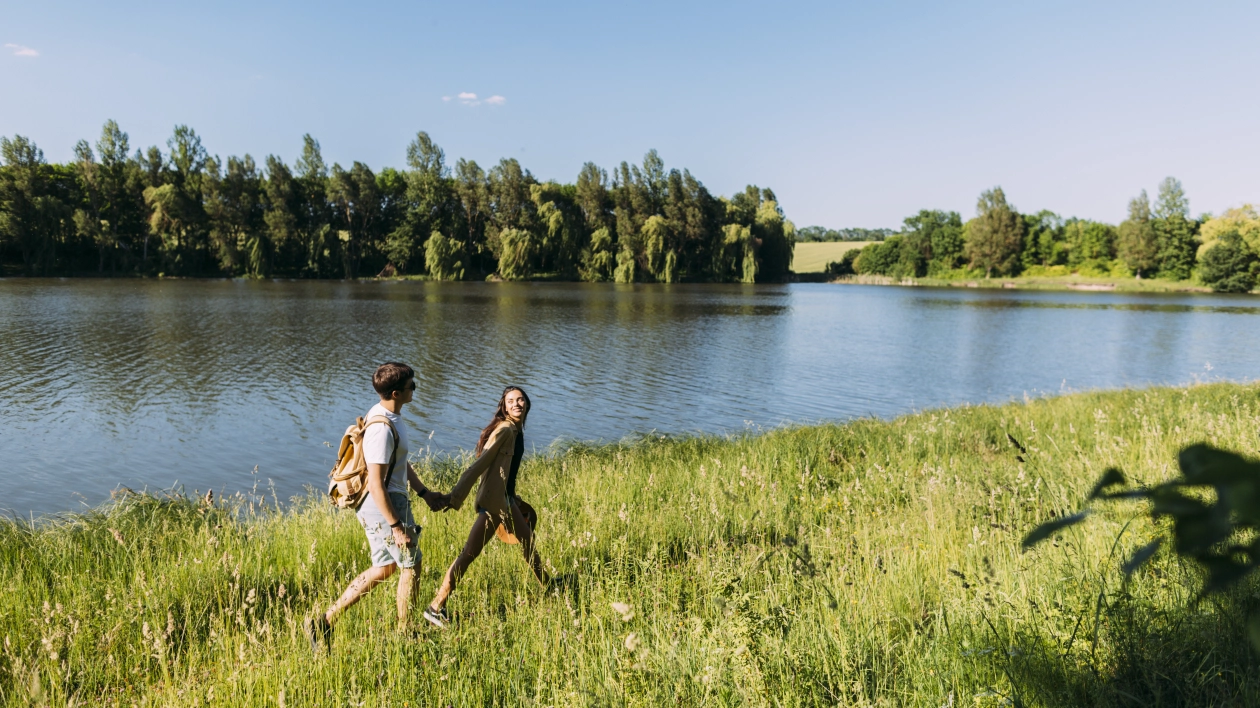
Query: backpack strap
column 393, row 456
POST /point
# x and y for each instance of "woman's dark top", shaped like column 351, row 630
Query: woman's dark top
column 517, row 453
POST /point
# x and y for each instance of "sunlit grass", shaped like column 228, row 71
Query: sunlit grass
column 872, row 563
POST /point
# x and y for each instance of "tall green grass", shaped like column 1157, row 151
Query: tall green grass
column 872, row 563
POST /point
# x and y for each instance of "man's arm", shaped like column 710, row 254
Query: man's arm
column 430, row 497
column 376, row 489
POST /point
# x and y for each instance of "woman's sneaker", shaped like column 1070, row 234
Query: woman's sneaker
column 318, row 632
column 437, row 618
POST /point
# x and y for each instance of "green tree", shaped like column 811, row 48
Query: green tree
column 357, row 204
column 1136, row 244
column 429, row 203
column 517, row 250
column 234, row 205
column 30, row 211
column 995, row 235
column 1229, row 266
column 175, row 200
column 775, row 239
column 1172, row 200
column 598, row 260
column 510, row 206
column 1176, row 241
column 1044, row 240
column 1089, row 243
column 282, row 207
column 662, row 261
column 472, row 193
column 879, row 258
column 936, row 236
column 444, row 257
column 314, row 211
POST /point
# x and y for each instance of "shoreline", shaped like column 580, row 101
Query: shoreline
column 1048, row 283
column 881, row 558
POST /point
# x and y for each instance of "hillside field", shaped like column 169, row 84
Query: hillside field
column 813, row 256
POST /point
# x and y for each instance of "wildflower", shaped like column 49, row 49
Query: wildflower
column 626, row 611
column 633, row 641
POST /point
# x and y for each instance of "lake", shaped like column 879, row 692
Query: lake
column 221, row 383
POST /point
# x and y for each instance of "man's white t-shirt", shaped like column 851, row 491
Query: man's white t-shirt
column 378, row 444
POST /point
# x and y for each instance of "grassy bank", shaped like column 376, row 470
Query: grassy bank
column 873, row 563
column 1061, row 282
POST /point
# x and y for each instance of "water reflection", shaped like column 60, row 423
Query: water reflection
column 154, row 382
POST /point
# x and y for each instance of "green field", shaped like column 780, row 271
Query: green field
column 813, row 256
column 872, row 563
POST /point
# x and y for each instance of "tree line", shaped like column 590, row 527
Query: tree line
column 184, row 212
column 1161, row 241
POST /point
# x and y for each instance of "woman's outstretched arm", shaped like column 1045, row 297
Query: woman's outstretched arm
column 466, row 481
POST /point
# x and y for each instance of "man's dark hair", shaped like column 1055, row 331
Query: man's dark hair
column 391, row 376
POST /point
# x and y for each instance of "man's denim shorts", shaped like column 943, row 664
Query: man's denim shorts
column 381, row 537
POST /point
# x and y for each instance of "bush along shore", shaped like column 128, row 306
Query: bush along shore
column 869, row 563
column 1219, row 253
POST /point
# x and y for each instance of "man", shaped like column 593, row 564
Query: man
column 386, row 515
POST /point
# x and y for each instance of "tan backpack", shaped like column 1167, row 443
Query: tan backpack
column 347, row 483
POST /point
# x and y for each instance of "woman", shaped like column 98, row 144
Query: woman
column 499, row 452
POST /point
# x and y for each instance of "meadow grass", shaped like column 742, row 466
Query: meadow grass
column 813, row 256
column 870, row 563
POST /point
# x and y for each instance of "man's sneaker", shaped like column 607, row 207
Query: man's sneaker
column 437, row 618
column 318, row 632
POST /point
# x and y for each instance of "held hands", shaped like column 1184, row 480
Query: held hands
column 437, row 502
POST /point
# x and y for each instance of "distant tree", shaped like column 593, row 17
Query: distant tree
column 1044, row 240
column 1229, row 266
column 427, row 206
column 234, row 206
column 510, row 206
column 1088, row 242
column 281, row 209
column 472, row 194
column 357, row 203
column 517, row 249
column 599, row 259
column 30, row 212
column 1175, row 237
column 562, row 232
column 1243, row 221
column 820, row 233
column 844, row 266
column 314, row 212
column 881, row 258
column 1136, row 244
column 444, row 257
column 1172, row 200
column 593, row 198
column 995, row 235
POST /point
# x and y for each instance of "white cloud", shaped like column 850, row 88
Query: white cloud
column 468, row 98
column 21, row 51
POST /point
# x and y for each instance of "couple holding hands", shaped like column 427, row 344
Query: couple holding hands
column 386, row 515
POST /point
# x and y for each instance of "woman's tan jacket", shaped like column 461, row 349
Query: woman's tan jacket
column 492, row 468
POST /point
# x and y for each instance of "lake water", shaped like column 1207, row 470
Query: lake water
column 155, row 383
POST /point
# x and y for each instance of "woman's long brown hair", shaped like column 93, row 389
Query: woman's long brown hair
column 500, row 415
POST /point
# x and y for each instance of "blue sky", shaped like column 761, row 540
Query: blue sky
column 855, row 114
